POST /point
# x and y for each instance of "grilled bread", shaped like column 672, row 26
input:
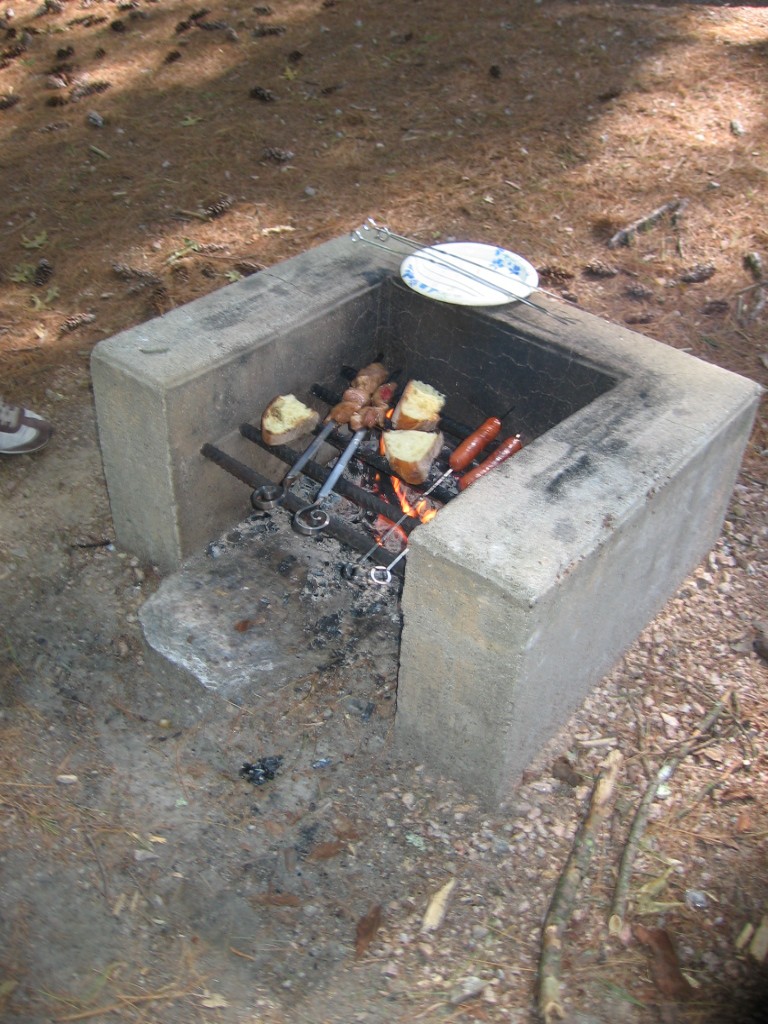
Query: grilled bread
column 419, row 407
column 285, row 419
column 410, row 453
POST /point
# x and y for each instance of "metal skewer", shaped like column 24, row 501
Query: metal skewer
column 307, row 454
column 312, row 518
column 270, row 495
column 382, row 574
column 429, row 254
column 351, row 569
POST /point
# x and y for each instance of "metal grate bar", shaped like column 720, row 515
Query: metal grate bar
column 320, row 474
column 344, row 533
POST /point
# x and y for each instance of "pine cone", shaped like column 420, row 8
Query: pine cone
column 43, row 273
column 265, row 95
column 77, row 320
column 278, row 156
column 269, row 30
column 596, row 268
column 701, row 272
column 219, row 207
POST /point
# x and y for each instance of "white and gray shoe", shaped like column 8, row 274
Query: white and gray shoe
column 22, row 431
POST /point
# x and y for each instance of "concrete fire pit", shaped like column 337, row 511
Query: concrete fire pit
column 525, row 589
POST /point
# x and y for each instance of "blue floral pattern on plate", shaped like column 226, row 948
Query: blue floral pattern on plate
column 469, row 274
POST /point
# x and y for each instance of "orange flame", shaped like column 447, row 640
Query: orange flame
column 420, row 508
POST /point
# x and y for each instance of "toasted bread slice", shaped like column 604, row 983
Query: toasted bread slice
column 285, row 419
column 419, row 407
column 410, row 453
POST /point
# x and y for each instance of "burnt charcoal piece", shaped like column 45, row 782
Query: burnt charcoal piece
column 295, row 56
column 183, row 26
column 265, row 95
column 8, row 101
column 261, row 771
column 65, row 52
column 715, row 307
column 118, row 26
column 494, row 71
column 202, row 13
column 174, row 55
column 56, row 101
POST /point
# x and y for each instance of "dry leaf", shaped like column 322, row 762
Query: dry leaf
column 324, row 851
column 665, row 967
column 758, row 947
column 346, row 829
column 745, row 935
column 279, row 899
column 366, row 930
column 744, row 822
column 437, row 907
column 213, row 1001
column 736, row 793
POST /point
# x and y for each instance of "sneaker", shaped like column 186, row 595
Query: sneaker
column 22, row 431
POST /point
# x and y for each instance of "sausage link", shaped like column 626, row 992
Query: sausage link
column 502, row 453
column 470, row 447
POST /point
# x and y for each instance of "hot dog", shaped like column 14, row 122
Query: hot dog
column 471, row 446
column 502, row 453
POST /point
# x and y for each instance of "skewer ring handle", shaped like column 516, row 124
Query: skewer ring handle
column 380, row 574
column 310, row 520
column 267, row 496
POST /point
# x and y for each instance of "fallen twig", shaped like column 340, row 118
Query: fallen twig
column 564, row 897
column 123, row 1002
column 627, row 234
column 640, row 821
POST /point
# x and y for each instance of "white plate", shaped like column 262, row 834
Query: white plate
column 469, row 274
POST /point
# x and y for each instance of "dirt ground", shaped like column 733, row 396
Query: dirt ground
column 152, row 152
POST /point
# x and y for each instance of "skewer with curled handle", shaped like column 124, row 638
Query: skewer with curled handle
column 312, row 518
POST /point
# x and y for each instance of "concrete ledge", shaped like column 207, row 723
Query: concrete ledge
column 596, row 523
column 166, row 387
